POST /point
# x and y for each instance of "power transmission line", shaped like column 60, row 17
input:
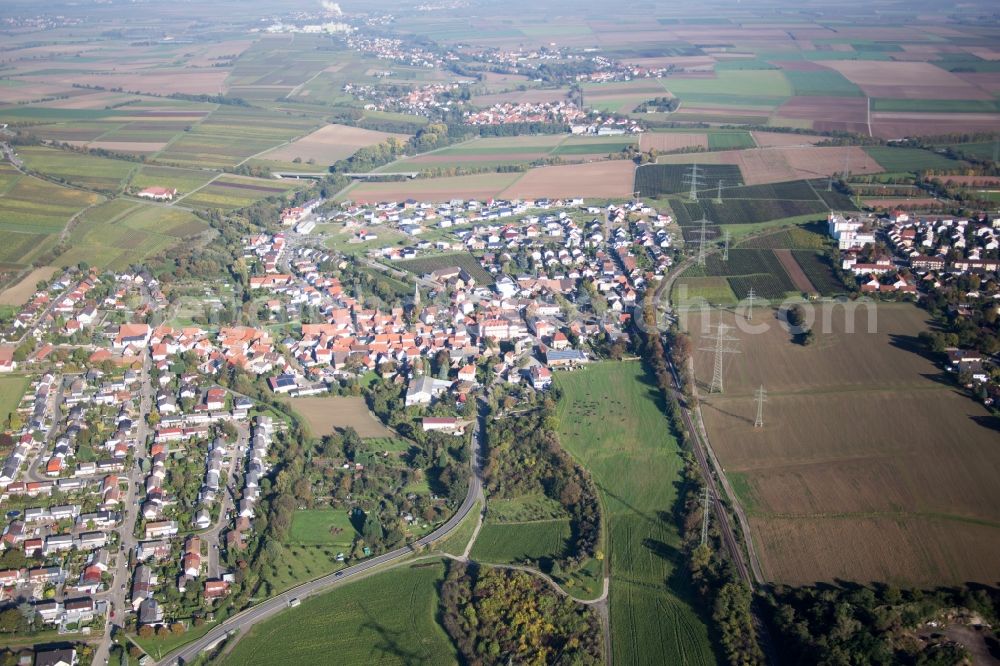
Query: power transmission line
column 702, row 241
column 761, row 396
column 695, row 180
column 721, row 348
column 705, row 503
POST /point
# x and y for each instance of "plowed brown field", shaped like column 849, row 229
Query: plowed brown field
column 870, row 464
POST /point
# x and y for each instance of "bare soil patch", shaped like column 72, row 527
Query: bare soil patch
column 893, row 125
column 907, row 80
column 207, row 81
column 19, row 293
column 672, row 141
column 782, row 139
column 329, row 144
column 323, row 414
column 870, row 464
column 612, row 178
column 478, row 186
column 829, row 113
column 794, row 271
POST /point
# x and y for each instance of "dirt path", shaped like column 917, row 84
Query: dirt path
column 791, row 266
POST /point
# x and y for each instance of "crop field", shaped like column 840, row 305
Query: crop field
column 229, row 191
column 910, row 159
column 907, row 80
column 12, row 388
column 823, row 82
column 35, row 206
column 656, row 180
column 805, row 237
column 612, row 178
column 388, row 618
column 324, row 413
column 478, row 186
column 231, row 135
column 982, row 150
column 18, row 247
column 750, row 85
column 746, row 208
column 183, row 180
column 668, row 141
column 592, row 146
column 88, row 171
column 730, row 140
column 760, row 166
column 461, row 260
column 329, row 144
column 322, row 527
column 817, row 267
column 749, row 268
column 783, row 139
column 745, row 211
column 865, row 442
column 610, row 421
column 512, row 543
column 120, row 232
column 794, row 272
column 714, row 290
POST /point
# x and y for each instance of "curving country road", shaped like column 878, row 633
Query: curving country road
column 262, row 611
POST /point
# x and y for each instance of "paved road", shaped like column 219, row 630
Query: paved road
column 256, row 614
column 116, row 595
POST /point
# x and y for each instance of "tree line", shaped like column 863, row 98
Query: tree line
column 499, row 616
column 525, row 457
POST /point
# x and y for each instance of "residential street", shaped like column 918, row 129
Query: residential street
column 116, row 595
column 256, row 614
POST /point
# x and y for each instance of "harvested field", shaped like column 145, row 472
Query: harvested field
column 592, row 180
column 207, row 81
column 806, row 162
column 906, row 80
column 988, row 81
column 795, row 272
column 779, row 164
column 19, row 293
column 866, row 442
column 479, row 186
column 848, row 114
column 329, row 144
column 666, row 141
column 783, row 139
column 324, row 413
column 900, row 202
column 897, row 124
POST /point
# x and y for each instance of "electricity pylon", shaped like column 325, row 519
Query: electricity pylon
column 695, row 180
column 702, row 241
column 761, row 396
column 750, row 297
column 725, row 245
column 721, row 348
